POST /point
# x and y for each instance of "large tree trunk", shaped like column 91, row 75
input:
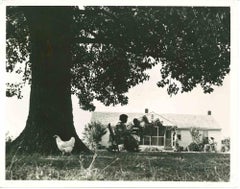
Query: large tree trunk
column 50, row 111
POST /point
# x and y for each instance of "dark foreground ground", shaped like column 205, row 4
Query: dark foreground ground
column 154, row 166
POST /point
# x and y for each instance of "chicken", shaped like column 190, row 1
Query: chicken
column 65, row 147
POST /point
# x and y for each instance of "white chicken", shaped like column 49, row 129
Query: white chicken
column 65, row 147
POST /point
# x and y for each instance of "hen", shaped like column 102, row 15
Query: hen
column 65, row 147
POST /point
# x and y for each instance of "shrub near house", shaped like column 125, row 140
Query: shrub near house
column 225, row 145
column 92, row 135
column 197, row 144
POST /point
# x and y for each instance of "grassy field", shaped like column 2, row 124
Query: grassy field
column 154, row 166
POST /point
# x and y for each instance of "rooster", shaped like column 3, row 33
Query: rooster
column 65, row 147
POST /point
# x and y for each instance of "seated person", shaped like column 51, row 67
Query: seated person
column 136, row 130
column 212, row 144
column 121, row 129
column 132, row 137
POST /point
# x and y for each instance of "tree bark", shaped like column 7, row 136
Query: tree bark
column 50, row 111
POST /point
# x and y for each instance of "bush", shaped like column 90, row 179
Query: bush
column 194, row 147
column 179, row 148
column 225, row 145
column 92, row 135
column 196, row 136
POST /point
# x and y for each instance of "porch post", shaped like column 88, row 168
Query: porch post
column 164, row 138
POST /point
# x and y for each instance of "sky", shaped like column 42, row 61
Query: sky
column 145, row 95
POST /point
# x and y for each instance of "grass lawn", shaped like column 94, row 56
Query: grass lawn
column 154, row 166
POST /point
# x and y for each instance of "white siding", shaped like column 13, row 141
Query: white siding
column 186, row 138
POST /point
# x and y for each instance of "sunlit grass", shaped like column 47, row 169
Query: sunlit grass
column 155, row 166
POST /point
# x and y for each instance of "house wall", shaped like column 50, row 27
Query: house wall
column 186, row 138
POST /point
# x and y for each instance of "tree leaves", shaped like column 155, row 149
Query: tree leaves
column 14, row 90
column 112, row 48
column 194, row 55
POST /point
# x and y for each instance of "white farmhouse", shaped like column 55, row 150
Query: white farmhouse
column 173, row 127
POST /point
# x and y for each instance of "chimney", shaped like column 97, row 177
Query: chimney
column 209, row 113
column 146, row 110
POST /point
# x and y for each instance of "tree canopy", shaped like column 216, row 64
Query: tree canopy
column 112, row 47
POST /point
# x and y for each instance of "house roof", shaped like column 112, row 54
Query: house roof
column 188, row 121
column 183, row 121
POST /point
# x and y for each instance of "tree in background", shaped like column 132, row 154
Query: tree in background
column 197, row 142
column 196, row 135
column 101, row 52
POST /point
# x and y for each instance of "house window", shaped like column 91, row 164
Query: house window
column 204, row 133
column 147, row 140
column 205, row 137
column 161, row 130
column 179, row 136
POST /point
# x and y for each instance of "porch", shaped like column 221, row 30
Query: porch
column 162, row 137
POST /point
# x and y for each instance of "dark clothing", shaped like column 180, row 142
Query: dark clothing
column 135, row 130
column 120, row 132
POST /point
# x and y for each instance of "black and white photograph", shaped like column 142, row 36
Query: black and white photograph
column 116, row 93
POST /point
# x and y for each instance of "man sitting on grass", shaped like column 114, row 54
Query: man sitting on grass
column 212, row 144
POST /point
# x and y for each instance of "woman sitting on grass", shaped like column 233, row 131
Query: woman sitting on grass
column 121, row 129
column 136, row 130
